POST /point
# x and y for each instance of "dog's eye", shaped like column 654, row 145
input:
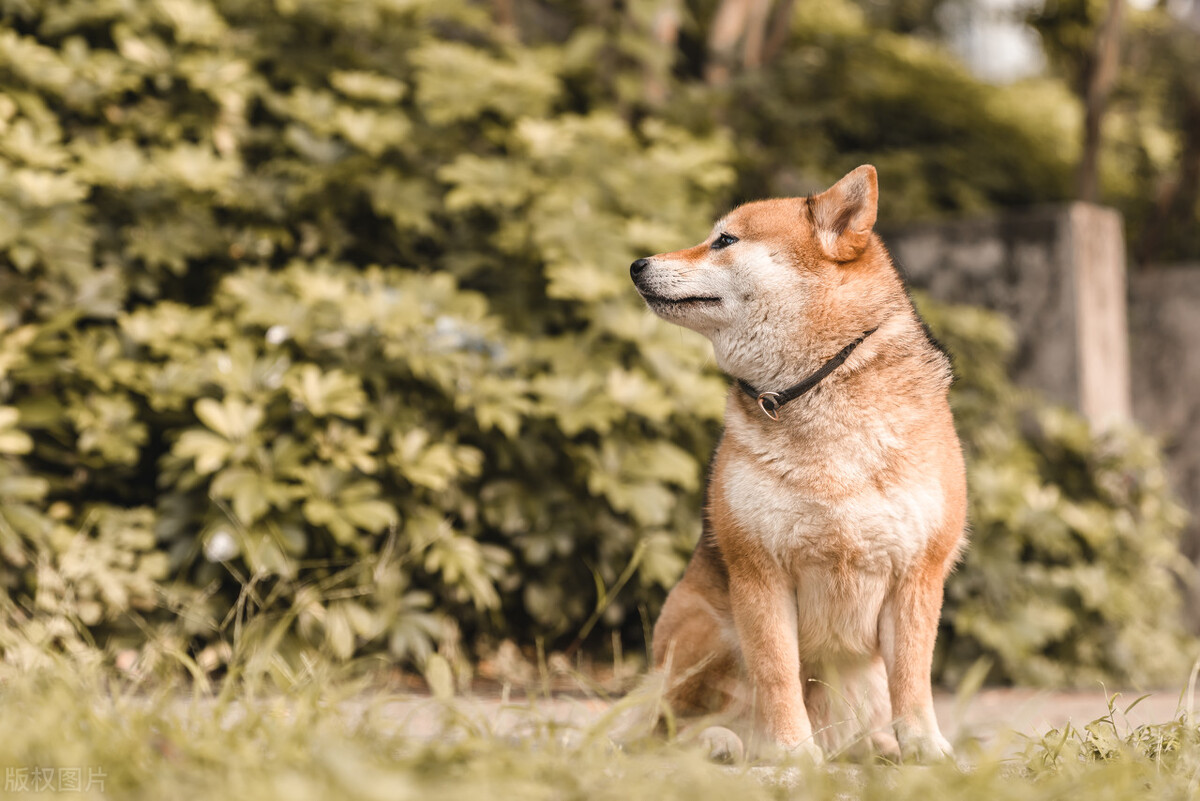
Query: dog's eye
column 723, row 241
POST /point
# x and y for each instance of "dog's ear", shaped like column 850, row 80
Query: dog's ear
column 842, row 215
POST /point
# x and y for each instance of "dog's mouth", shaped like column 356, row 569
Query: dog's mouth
column 659, row 300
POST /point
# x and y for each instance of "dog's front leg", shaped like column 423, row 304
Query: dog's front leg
column 764, row 613
column 908, row 628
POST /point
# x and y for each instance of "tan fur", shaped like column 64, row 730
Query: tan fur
column 814, row 594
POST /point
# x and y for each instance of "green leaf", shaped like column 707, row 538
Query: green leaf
column 327, row 393
column 439, row 677
column 373, row 516
column 232, row 418
column 209, row 451
column 244, row 488
column 456, row 82
column 339, row 631
column 23, row 488
column 362, row 85
column 432, row 464
column 12, row 440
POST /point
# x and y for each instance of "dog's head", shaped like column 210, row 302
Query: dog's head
column 759, row 253
column 769, row 265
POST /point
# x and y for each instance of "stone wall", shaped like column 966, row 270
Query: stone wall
column 1059, row 274
column 1111, row 347
column 1164, row 338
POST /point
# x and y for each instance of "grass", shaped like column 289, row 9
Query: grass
column 324, row 732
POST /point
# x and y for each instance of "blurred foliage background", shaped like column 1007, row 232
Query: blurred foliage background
column 316, row 332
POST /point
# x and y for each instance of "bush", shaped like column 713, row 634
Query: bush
column 1073, row 572
column 314, row 323
column 846, row 93
column 323, row 312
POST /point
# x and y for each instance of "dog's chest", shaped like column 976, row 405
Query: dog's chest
column 842, row 552
column 799, row 518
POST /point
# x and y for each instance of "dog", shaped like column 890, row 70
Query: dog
column 836, row 500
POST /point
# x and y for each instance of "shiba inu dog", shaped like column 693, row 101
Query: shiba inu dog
column 836, row 502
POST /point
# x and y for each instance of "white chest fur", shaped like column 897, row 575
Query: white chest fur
column 869, row 528
column 842, row 548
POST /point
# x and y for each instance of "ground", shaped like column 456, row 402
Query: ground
column 324, row 733
column 990, row 716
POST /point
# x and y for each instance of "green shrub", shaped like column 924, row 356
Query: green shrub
column 1073, row 572
column 314, row 322
column 845, row 92
column 317, row 300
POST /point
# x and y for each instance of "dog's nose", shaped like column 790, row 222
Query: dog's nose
column 637, row 267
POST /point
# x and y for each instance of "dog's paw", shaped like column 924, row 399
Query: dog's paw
column 808, row 752
column 723, row 745
column 924, row 748
column 884, row 747
column 773, row 751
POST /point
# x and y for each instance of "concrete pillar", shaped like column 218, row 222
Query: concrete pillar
column 1059, row 274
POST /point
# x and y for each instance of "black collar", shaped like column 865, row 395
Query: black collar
column 772, row 402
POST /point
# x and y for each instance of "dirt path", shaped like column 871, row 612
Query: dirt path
column 1035, row 711
column 991, row 716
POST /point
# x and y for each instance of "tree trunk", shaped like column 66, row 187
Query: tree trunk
column 758, row 15
column 723, row 35
column 1099, row 77
column 751, row 24
column 780, row 27
column 665, row 30
column 506, row 19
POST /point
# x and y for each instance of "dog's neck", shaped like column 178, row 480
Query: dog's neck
column 775, row 369
column 778, row 358
column 792, row 338
column 786, row 366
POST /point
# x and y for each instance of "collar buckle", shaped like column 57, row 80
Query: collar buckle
column 769, row 403
column 772, row 402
